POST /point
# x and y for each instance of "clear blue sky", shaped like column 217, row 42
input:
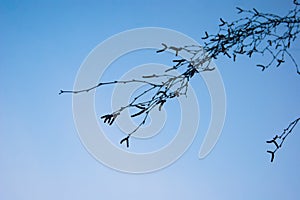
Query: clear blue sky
column 43, row 43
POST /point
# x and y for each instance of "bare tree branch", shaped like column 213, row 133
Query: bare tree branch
column 254, row 33
column 279, row 139
column 173, row 86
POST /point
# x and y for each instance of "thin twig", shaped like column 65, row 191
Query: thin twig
column 279, row 139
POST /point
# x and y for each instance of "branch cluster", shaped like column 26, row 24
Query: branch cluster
column 256, row 33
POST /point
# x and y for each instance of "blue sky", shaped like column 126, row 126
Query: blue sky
column 41, row 157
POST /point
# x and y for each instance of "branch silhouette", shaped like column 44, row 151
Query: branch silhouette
column 254, row 33
column 172, row 87
column 279, row 139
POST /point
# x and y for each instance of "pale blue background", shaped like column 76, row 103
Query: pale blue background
column 42, row 45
